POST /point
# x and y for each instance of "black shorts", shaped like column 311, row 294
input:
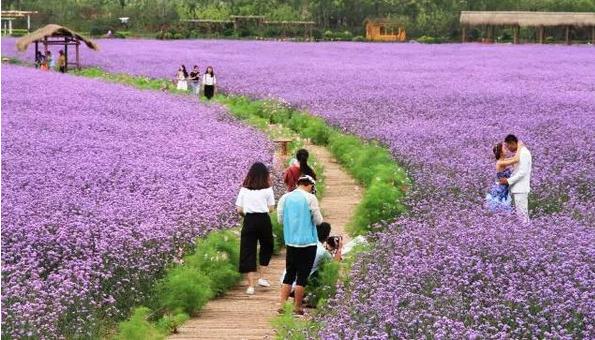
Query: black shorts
column 298, row 264
column 257, row 228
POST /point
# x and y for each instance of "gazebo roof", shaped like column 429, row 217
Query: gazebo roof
column 515, row 18
column 53, row 31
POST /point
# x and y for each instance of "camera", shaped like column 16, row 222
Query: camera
column 333, row 241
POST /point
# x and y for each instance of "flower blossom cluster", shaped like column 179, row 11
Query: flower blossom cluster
column 449, row 269
column 102, row 185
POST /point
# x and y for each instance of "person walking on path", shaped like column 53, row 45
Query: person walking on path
column 255, row 200
column 195, row 80
column 298, row 168
column 519, row 181
column 299, row 212
column 181, row 76
column 209, row 82
column 61, row 61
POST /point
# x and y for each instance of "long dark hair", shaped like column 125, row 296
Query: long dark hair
column 212, row 73
column 184, row 70
column 497, row 150
column 302, row 157
column 258, row 177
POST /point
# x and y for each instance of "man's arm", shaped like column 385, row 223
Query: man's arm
column 315, row 209
column 280, row 207
column 523, row 168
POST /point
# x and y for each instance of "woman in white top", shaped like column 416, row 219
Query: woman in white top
column 255, row 200
column 181, row 76
column 209, row 82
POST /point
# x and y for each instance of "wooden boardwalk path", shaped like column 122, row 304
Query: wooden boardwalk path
column 240, row 316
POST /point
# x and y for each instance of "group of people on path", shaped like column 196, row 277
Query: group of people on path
column 47, row 62
column 513, row 177
column 306, row 235
column 207, row 82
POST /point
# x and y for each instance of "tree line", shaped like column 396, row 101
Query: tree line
column 437, row 18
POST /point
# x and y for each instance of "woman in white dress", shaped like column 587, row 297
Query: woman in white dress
column 182, row 76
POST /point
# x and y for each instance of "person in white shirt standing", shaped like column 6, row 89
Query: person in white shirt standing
column 209, row 82
column 255, row 200
column 520, row 179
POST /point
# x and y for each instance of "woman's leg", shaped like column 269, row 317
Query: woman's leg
column 248, row 243
column 265, row 238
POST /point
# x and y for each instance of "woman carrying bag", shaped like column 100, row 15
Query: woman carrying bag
column 255, row 200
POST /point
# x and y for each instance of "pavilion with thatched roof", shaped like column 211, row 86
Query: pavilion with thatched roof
column 56, row 35
column 516, row 20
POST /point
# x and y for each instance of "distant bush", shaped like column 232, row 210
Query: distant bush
column 345, row 35
column 168, row 36
column 359, row 38
column 328, row 35
column 426, row 39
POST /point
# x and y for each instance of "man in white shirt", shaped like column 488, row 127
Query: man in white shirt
column 520, row 180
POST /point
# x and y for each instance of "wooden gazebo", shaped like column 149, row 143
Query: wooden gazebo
column 517, row 20
column 379, row 29
column 56, row 35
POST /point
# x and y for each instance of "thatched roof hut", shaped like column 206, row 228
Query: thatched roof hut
column 56, row 35
column 53, row 31
column 527, row 19
column 519, row 19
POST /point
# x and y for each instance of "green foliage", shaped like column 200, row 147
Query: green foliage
column 170, row 322
column 435, row 18
column 217, row 256
column 324, row 284
column 185, row 288
column 278, row 234
column 426, row 39
column 359, row 38
column 287, row 326
column 138, row 328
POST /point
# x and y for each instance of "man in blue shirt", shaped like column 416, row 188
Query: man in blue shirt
column 299, row 213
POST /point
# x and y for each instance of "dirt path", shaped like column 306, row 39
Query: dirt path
column 239, row 316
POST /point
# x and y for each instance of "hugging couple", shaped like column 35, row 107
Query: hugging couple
column 513, row 176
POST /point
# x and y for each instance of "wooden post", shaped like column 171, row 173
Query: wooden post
column 10, row 26
column 567, row 35
column 78, row 65
column 541, row 34
column 593, row 35
column 517, row 31
column 66, row 54
column 463, row 33
column 28, row 23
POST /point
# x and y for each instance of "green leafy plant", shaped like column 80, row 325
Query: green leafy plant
column 138, row 327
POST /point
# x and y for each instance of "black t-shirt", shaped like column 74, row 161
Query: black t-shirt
column 194, row 76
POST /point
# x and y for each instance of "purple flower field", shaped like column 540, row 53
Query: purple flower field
column 101, row 185
column 449, row 269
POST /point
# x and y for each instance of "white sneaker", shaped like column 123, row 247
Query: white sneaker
column 250, row 291
column 263, row 283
